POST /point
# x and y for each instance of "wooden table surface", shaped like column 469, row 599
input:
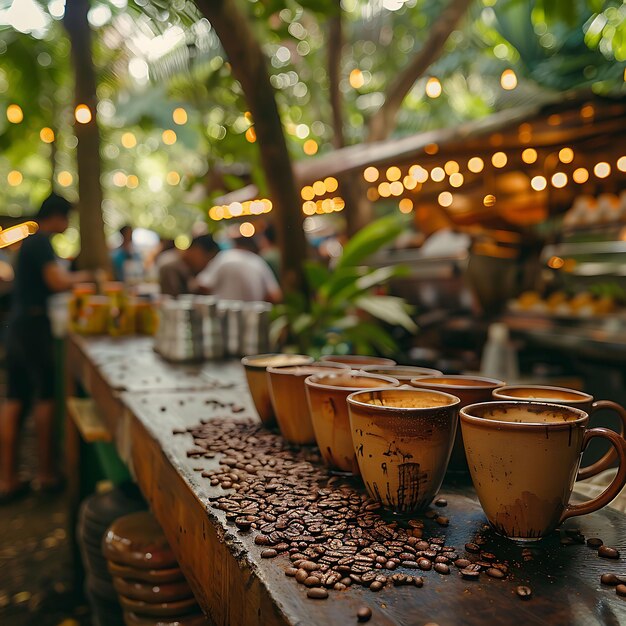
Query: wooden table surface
column 236, row 587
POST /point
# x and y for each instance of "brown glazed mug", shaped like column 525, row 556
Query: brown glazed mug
column 288, row 396
column 568, row 397
column 403, row 373
column 524, row 457
column 256, row 375
column 356, row 360
column 403, row 438
column 326, row 395
column 470, row 390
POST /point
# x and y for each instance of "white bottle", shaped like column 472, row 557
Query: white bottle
column 499, row 359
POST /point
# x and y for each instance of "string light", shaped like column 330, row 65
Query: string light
column 319, row 188
column 621, row 164
column 46, row 135
column 172, row 178
column 64, row 178
column 331, row 184
column 169, row 137
column 356, row 79
column 559, row 180
column 396, row 188
column 119, row 179
column 476, row 165
column 372, row 194
column 602, row 169
column 529, row 155
column 310, row 147
column 247, row 229
column 250, row 135
column 371, row 174
column 405, row 205
column 14, row 113
column 393, row 173
column 179, row 115
column 431, row 149
column 418, row 173
column 433, row 87
column 437, row 174
column 489, row 200
column 236, row 209
column 132, row 182
column 82, row 114
column 308, row 208
column 12, row 235
column 566, row 155
column 499, row 159
column 538, row 183
column 580, row 175
column 410, row 183
column 508, row 79
column 384, row 189
column 451, row 167
column 456, row 179
column 307, row 193
column 525, row 132
column 128, row 140
column 445, row 198
column 14, row 178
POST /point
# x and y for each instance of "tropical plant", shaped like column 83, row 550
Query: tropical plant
column 344, row 311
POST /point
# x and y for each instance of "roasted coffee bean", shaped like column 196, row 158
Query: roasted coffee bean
column 339, row 587
column 309, row 566
column 422, row 545
column 470, row 574
column 472, row 547
column 425, row 564
column 431, row 514
column 410, row 564
column 462, row 563
column 376, row 586
column 442, row 521
column 291, row 571
column 594, row 542
column 268, row 553
column 441, row 502
column 301, row 575
column 368, row 577
column 430, row 554
column 487, row 556
column 418, row 581
column 494, row 572
column 483, row 564
column 620, row 590
column 317, row 593
column 442, row 568
column 442, row 559
column 608, row 553
column 524, row 592
column 261, row 540
column 416, row 523
column 364, row 614
column 312, row 581
column 398, row 579
column 609, row 579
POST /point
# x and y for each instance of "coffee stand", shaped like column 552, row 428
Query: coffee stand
column 139, row 401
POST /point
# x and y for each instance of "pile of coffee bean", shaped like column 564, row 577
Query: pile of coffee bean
column 333, row 535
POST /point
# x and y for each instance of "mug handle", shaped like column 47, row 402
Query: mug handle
column 618, row 443
column 609, row 458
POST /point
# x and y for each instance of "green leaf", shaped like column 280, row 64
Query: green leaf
column 371, row 239
column 373, row 278
column 390, row 309
column 316, row 274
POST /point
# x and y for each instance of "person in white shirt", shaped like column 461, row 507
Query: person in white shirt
column 240, row 274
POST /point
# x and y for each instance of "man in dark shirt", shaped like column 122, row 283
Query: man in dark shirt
column 29, row 347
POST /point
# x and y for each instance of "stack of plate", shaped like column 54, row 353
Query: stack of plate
column 96, row 514
column 150, row 586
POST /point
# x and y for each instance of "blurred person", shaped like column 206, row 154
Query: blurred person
column 178, row 269
column 240, row 274
column 443, row 240
column 30, row 350
column 269, row 250
column 124, row 253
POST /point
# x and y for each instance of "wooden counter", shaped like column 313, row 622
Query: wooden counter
column 236, row 587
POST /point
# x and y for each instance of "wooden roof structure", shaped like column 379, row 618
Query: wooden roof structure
column 522, row 149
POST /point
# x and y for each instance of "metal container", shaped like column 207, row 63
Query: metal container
column 256, row 327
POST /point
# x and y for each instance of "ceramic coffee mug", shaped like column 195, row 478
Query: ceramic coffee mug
column 256, row 375
column 404, row 373
column 568, row 397
column 326, row 395
column 524, row 457
column 356, row 360
column 288, row 396
column 403, row 438
column 469, row 389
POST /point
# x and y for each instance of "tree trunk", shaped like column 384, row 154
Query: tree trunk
column 358, row 211
column 383, row 121
column 249, row 67
column 93, row 253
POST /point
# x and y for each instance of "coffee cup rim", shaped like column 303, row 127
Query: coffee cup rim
column 281, row 369
column 402, row 409
column 583, row 395
column 353, row 359
column 432, row 380
column 248, row 361
column 485, row 422
column 314, row 380
column 428, row 371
